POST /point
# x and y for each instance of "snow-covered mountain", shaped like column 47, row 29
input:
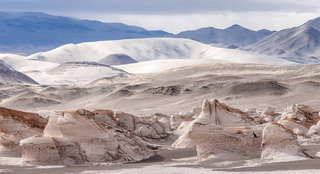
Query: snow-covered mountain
column 234, row 35
column 299, row 44
column 138, row 49
column 151, row 49
column 31, row 32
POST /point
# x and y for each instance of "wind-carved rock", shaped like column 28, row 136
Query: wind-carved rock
column 221, row 130
column 280, row 142
column 315, row 129
column 176, row 120
column 148, row 129
column 16, row 125
column 299, row 118
column 81, row 136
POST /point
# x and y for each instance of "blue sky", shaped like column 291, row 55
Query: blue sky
column 179, row 15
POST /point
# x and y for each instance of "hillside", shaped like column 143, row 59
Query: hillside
column 298, row 44
column 31, row 32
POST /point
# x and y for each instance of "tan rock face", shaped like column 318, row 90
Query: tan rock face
column 39, row 151
column 211, row 139
column 16, row 125
column 81, row 136
column 28, row 118
column 279, row 142
column 298, row 116
column 144, row 128
column 176, row 120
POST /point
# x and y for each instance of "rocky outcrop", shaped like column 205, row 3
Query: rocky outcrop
column 299, row 117
column 176, row 120
column 81, row 136
column 315, row 129
column 279, row 142
column 216, row 131
column 16, row 125
column 144, row 128
column 240, row 142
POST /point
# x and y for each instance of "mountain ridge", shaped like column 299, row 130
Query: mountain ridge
column 299, row 44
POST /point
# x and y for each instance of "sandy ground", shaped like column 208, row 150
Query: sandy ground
column 184, row 161
column 241, row 86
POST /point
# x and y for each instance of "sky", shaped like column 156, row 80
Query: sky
column 178, row 15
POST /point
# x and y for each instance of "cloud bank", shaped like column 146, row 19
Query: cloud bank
column 179, row 15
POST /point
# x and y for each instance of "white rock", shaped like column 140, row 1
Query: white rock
column 166, row 122
column 292, row 125
column 213, row 113
column 294, row 113
column 39, row 151
column 315, row 129
column 16, row 125
column 125, row 120
column 176, row 120
column 269, row 111
column 98, row 143
column 279, row 142
column 196, row 110
column 212, row 139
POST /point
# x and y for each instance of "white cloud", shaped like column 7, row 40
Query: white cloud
column 179, row 15
column 181, row 22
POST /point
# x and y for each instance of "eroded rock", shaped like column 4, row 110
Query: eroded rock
column 299, row 116
column 217, row 129
column 16, row 125
column 79, row 137
column 280, row 142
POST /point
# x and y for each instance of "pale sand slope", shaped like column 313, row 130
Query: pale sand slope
column 242, row 86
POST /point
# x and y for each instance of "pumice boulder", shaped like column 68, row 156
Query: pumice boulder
column 280, row 142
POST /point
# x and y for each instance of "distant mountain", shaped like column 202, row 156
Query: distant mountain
column 9, row 75
column 30, row 32
column 299, row 44
column 151, row 49
column 234, row 35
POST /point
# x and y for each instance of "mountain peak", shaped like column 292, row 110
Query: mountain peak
column 315, row 23
column 235, row 27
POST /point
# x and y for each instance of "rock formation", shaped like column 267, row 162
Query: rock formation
column 300, row 117
column 144, row 128
column 16, row 125
column 235, row 142
column 176, row 120
column 81, row 136
column 219, row 129
column 315, row 129
column 279, row 142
